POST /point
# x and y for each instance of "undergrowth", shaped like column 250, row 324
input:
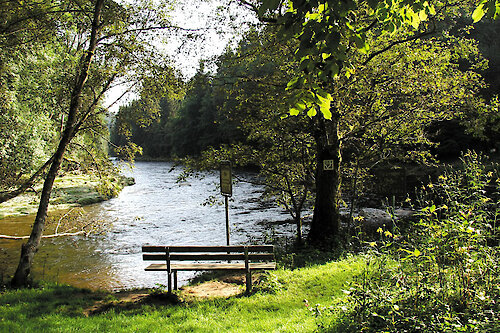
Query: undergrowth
column 442, row 274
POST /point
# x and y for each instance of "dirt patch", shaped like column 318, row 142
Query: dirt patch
column 212, row 289
column 224, row 287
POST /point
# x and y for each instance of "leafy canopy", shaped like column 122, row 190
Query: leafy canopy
column 329, row 31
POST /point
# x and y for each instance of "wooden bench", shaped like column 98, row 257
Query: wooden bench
column 207, row 258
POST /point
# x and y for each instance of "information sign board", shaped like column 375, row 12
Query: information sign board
column 226, row 179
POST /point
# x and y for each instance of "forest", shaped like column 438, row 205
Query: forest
column 335, row 106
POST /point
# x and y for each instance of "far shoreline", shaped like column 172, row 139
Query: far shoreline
column 70, row 190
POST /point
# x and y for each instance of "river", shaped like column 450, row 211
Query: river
column 157, row 210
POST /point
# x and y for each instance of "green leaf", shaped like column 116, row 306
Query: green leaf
column 333, row 40
column 296, row 82
column 325, row 110
column 298, row 108
column 323, row 95
column 293, row 83
column 361, row 44
column 431, row 8
column 422, row 15
column 415, row 20
column 334, row 68
column 312, row 112
column 478, row 13
column 301, row 106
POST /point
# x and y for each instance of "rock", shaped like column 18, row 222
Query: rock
column 374, row 218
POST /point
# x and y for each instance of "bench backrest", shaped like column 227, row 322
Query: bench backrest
column 208, row 253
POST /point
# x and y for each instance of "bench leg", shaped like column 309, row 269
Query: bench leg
column 175, row 280
column 249, row 281
column 248, row 272
column 169, row 282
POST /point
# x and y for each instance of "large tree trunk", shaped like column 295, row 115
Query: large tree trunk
column 28, row 250
column 326, row 220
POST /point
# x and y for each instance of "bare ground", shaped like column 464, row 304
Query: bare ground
column 227, row 286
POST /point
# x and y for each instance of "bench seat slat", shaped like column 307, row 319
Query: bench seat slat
column 210, row 266
column 208, row 256
column 234, row 248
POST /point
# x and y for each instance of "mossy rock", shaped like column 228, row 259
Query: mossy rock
column 128, row 181
column 88, row 200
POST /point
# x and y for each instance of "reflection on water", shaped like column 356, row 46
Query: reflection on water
column 156, row 210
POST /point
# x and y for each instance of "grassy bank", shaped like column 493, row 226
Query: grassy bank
column 70, row 190
column 282, row 303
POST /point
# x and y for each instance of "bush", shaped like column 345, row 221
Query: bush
column 442, row 276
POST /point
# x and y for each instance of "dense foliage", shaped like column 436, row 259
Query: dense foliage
column 181, row 127
column 34, row 94
column 370, row 82
column 58, row 61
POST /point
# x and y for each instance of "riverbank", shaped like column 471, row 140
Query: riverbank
column 70, row 190
column 368, row 292
column 284, row 301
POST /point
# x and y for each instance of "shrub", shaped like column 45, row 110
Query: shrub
column 442, row 276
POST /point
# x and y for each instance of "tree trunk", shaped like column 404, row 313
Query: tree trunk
column 326, row 219
column 28, row 250
column 298, row 222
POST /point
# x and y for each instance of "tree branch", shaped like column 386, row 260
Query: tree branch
column 64, row 234
column 397, row 42
column 255, row 9
column 7, row 195
column 173, row 27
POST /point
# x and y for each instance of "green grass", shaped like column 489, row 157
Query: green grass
column 278, row 305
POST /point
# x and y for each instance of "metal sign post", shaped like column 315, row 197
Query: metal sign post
column 226, row 189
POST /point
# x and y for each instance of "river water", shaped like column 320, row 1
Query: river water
column 157, row 210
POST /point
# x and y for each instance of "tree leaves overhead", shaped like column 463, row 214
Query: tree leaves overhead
column 42, row 45
column 488, row 9
column 332, row 32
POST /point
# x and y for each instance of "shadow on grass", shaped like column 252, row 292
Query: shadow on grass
column 34, row 305
column 132, row 300
column 36, row 302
